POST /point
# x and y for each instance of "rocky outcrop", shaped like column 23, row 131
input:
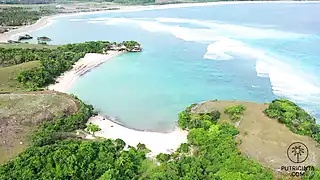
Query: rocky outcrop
column 43, row 38
column 24, row 37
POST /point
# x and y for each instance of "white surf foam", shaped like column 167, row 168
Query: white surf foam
column 286, row 80
column 222, row 38
column 220, row 49
column 210, row 32
column 236, row 31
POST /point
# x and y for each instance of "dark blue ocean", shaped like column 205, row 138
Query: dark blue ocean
column 250, row 52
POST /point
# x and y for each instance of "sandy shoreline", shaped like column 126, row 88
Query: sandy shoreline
column 157, row 142
column 81, row 67
column 48, row 20
column 13, row 34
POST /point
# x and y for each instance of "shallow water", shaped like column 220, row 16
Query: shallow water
column 256, row 53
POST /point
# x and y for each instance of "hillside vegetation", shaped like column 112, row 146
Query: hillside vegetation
column 295, row 118
column 262, row 138
column 211, row 153
column 52, row 61
column 8, row 83
column 20, row 114
column 69, row 159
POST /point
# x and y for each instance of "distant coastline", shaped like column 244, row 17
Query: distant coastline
column 48, row 20
column 41, row 23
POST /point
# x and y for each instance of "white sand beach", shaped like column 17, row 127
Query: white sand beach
column 81, row 67
column 155, row 141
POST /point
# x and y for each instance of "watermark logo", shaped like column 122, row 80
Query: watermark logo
column 297, row 152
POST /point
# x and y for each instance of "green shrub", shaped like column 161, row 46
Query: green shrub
column 184, row 147
column 215, row 114
column 294, row 117
column 235, row 112
column 163, row 157
column 235, row 117
column 188, row 120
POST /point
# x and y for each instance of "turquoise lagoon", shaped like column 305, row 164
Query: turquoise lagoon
column 250, row 52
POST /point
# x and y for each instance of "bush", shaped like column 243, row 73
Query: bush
column 188, row 120
column 294, row 117
column 235, row 112
column 163, row 157
column 215, row 114
column 184, row 147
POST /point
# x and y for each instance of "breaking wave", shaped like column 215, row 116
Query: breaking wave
column 286, row 80
column 227, row 40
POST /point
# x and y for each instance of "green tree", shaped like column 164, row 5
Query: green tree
column 93, row 128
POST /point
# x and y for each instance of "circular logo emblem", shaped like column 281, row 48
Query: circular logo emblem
column 297, row 152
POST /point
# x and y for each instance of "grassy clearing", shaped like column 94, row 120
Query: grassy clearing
column 262, row 138
column 21, row 113
column 8, row 74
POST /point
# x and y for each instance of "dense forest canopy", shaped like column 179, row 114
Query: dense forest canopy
column 76, row 159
